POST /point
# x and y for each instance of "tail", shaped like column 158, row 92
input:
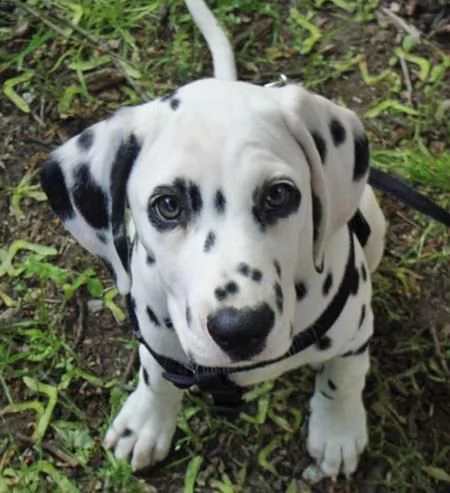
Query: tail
column 406, row 194
column 218, row 44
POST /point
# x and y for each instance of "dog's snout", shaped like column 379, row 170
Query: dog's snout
column 241, row 333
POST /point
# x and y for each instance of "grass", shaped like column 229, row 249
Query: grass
column 62, row 368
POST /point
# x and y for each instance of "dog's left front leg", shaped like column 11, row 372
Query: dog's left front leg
column 337, row 431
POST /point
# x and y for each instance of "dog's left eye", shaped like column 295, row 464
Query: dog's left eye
column 167, row 207
column 279, row 195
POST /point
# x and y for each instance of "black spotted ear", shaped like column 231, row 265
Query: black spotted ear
column 336, row 148
column 85, row 180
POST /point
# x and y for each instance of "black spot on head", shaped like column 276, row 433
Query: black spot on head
column 150, row 259
column 300, row 290
column 337, row 131
column 188, row 316
column 174, row 103
column 209, row 242
column 277, row 266
column 54, row 185
column 354, row 282
column 317, row 215
column 331, row 384
column 231, row 287
column 361, row 156
column 168, row 323
column 326, row 395
column 219, row 202
column 244, row 269
column 89, row 197
column 362, row 316
column 363, row 272
column 220, row 294
column 327, row 284
column 195, row 197
column 256, row 275
column 101, row 237
column 86, row 139
column 127, row 432
column 279, row 298
column 146, row 377
column 152, row 317
column 323, row 343
column 320, row 144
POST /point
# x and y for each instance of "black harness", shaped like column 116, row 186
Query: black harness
column 227, row 396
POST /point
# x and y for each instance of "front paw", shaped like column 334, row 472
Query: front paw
column 143, row 429
column 337, row 435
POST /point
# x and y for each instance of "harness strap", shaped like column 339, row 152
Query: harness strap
column 226, row 394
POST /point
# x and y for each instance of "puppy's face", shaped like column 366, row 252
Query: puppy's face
column 222, row 200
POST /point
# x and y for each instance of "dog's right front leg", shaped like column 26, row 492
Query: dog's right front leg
column 145, row 425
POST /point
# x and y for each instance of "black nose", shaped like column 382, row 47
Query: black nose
column 241, row 333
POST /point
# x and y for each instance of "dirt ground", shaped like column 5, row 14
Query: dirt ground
column 408, row 390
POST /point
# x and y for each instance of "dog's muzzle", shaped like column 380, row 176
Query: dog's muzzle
column 241, row 333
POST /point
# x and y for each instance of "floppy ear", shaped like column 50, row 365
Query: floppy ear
column 85, row 180
column 336, row 148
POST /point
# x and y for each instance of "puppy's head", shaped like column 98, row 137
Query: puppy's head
column 234, row 190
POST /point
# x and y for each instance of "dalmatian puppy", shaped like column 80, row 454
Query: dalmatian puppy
column 252, row 228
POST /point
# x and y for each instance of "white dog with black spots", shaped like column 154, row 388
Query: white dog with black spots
column 252, row 228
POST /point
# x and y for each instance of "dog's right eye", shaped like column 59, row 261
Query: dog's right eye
column 167, row 207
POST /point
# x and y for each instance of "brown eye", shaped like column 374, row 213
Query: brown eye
column 167, row 207
column 278, row 195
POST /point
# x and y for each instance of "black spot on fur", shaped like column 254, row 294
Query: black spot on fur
column 188, row 316
column 168, row 323
column 279, row 298
column 256, row 275
column 327, row 284
column 326, row 395
column 195, row 198
column 321, row 145
column 363, row 272
column 150, row 259
column 362, row 316
column 146, row 377
column 300, row 290
column 354, row 286
column 131, row 307
column 101, row 237
column 337, row 132
column 151, row 315
column 54, row 185
column 219, row 202
column 291, row 331
column 244, row 269
column 357, row 351
column 110, row 268
column 331, row 384
column 126, row 433
column 89, row 197
column 231, row 287
column 277, row 266
column 360, row 227
column 323, row 343
column 361, row 156
column 209, row 242
column 175, row 103
column 220, row 294
column 317, row 215
column 86, row 139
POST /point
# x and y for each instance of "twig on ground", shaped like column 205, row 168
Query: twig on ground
column 87, row 37
column 52, row 449
column 402, row 24
column 408, row 84
column 82, row 317
column 437, row 349
column 129, row 370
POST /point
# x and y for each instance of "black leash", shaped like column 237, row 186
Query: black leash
column 398, row 189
